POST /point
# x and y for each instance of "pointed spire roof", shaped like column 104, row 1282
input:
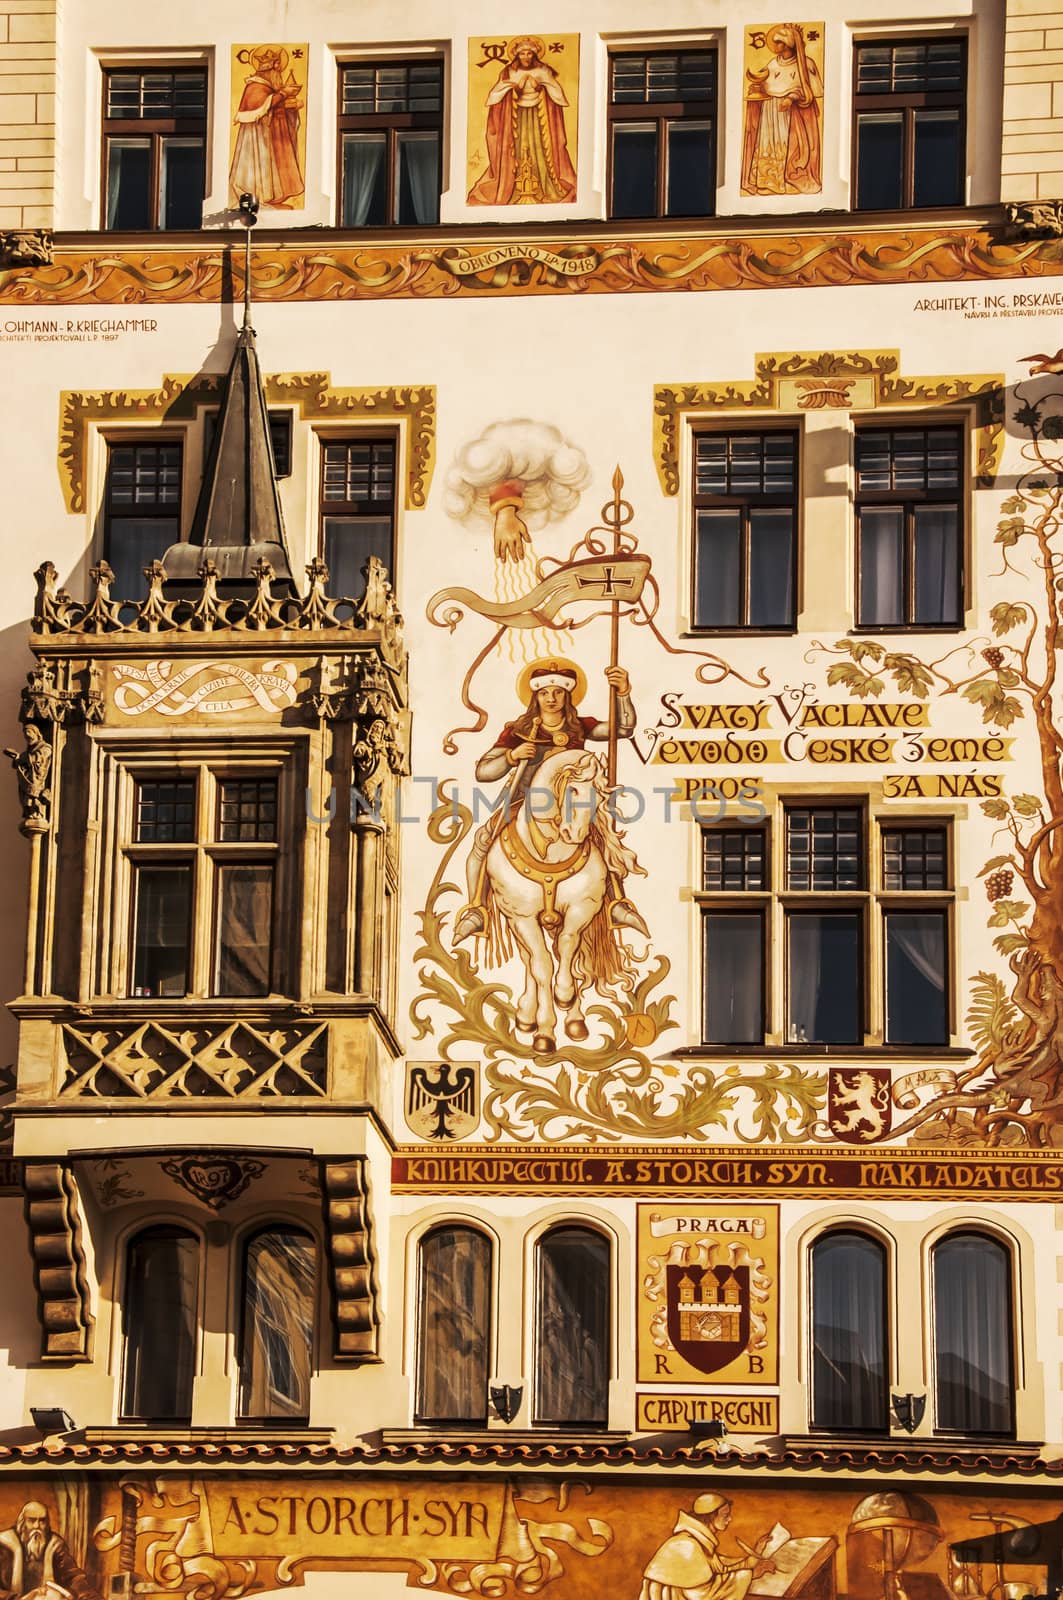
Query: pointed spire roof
column 238, row 520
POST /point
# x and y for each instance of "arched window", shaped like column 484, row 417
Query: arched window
column 454, row 1333
column 973, row 1362
column 161, row 1293
column 850, row 1364
column 277, row 1327
column 572, row 1333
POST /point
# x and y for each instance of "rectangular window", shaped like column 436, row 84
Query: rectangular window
column 154, row 145
column 280, row 438
column 909, row 526
column 662, row 126
column 176, row 865
column 745, row 521
column 909, row 123
column 141, row 511
column 390, row 143
column 357, row 510
column 857, row 944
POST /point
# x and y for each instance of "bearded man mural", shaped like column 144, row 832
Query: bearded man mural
column 36, row 1563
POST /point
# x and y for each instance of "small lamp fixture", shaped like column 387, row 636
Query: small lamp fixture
column 52, row 1419
column 709, row 1432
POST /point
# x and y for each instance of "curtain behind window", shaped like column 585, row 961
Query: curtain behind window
column 849, row 1341
column 972, row 1335
column 455, row 1320
column 572, row 1362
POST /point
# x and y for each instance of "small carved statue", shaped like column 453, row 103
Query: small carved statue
column 32, row 769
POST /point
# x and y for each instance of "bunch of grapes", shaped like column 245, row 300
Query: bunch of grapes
column 993, row 656
column 998, row 884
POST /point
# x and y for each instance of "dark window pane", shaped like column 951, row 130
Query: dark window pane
column 572, row 1355
column 166, row 812
column 155, row 95
column 916, row 1010
column 718, row 570
column 914, row 858
column 181, row 182
column 937, row 565
column 634, row 169
column 365, row 180
column 849, row 1352
column 663, row 77
column 129, row 184
column 973, row 1365
column 879, row 160
column 159, row 1319
column 454, row 1326
column 349, row 542
column 733, row 859
column 247, row 809
column 938, row 159
column 691, row 188
column 734, row 977
column 881, row 566
column 391, row 86
column 277, row 1333
column 162, row 920
column 245, row 927
column 824, row 978
column 280, row 437
column 133, row 543
column 771, row 563
column 142, row 502
column 417, row 177
column 913, row 66
column 824, row 848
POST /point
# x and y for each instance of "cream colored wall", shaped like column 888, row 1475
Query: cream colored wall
column 27, row 112
column 114, row 33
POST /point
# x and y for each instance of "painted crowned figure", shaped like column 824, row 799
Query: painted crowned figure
column 527, row 147
column 548, row 726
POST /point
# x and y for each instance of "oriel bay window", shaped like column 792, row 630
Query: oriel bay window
column 909, row 122
column 203, row 860
column 862, row 936
column 909, row 487
column 391, row 121
column 662, row 134
column 154, row 141
column 745, row 526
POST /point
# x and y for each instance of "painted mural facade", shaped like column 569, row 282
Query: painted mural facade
column 607, row 799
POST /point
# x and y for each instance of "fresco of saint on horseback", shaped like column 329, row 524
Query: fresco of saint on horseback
column 548, row 870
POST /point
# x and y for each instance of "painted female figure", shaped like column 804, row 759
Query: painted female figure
column 781, row 146
column 549, row 723
column 527, row 147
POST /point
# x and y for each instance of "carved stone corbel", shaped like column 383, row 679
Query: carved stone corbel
column 1035, row 219
column 26, row 247
column 381, row 732
column 352, row 1261
column 63, row 1301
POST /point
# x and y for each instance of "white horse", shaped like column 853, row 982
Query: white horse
column 547, row 873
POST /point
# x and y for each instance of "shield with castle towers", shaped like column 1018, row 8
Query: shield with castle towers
column 708, row 1313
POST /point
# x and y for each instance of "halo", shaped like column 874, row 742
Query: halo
column 524, row 681
column 276, row 50
column 528, row 39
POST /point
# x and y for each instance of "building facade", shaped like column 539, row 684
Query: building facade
column 530, row 673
